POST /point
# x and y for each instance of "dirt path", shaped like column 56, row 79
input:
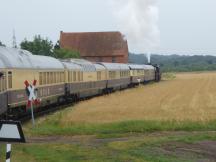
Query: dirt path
column 94, row 140
column 202, row 151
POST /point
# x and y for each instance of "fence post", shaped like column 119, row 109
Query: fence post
column 8, row 152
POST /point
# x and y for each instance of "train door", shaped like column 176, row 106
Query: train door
column 3, row 92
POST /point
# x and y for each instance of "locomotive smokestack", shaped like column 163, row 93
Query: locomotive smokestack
column 149, row 57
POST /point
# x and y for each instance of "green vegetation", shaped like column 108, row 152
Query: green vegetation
column 160, row 148
column 41, row 46
column 177, row 63
column 65, row 53
column 168, row 76
column 52, row 126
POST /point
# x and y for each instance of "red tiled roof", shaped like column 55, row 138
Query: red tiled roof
column 95, row 43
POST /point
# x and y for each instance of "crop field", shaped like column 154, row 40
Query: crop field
column 189, row 96
column 170, row 121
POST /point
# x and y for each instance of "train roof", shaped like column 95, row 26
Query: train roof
column 99, row 67
column 22, row 59
column 86, row 65
column 148, row 67
column 71, row 66
column 2, row 65
column 136, row 67
column 115, row 66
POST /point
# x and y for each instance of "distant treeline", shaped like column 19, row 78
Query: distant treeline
column 177, row 63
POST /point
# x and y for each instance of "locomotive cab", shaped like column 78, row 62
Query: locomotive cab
column 157, row 73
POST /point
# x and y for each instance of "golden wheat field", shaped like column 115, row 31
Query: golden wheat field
column 189, row 96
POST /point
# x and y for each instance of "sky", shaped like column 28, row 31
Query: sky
column 155, row 26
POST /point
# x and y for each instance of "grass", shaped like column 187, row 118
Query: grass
column 148, row 149
column 168, row 76
column 188, row 97
column 118, row 128
column 182, row 104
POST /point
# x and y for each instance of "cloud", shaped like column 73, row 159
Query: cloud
column 138, row 19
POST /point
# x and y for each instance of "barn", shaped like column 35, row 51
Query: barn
column 97, row 46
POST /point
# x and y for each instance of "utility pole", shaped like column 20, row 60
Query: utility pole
column 14, row 44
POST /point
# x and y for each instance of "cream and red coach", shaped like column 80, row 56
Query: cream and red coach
column 21, row 65
column 137, row 74
column 118, row 75
column 83, row 78
column 3, row 87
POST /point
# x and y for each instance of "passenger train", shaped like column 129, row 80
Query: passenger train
column 59, row 81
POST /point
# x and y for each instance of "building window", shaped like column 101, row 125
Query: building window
column 113, row 59
column 100, row 59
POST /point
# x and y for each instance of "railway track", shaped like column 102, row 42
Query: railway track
column 43, row 111
column 50, row 109
column 56, row 107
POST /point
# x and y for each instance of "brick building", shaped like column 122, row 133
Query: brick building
column 97, row 46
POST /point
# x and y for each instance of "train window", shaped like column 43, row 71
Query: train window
column 79, row 77
column 2, row 82
column 99, row 75
column 74, row 76
column 40, row 78
column 48, row 78
column 44, row 78
column 9, row 79
column 57, row 77
column 112, row 74
column 54, row 77
column 63, row 77
column 71, row 76
column 51, row 77
column 1, row 86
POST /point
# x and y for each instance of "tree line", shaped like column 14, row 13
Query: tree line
column 177, row 63
column 45, row 47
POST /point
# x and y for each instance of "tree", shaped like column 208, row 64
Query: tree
column 1, row 44
column 66, row 53
column 39, row 46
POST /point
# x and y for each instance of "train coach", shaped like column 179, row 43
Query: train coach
column 83, row 78
column 61, row 80
column 3, row 88
column 118, row 76
column 19, row 66
column 137, row 74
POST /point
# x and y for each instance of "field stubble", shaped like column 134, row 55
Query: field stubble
column 187, row 97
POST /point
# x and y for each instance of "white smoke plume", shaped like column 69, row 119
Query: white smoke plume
column 138, row 19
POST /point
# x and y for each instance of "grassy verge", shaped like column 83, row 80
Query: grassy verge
column 55, row 128
column 168, row 76
column 150, row 148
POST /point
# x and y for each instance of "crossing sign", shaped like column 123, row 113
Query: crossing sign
column 11, row 131
column 31, row 92
column 32, row 97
